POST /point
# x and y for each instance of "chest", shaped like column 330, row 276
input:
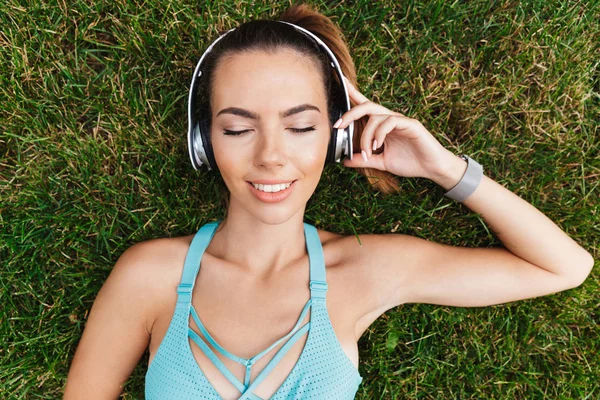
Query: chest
column 246, row 317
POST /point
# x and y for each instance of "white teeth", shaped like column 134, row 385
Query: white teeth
column 271, row 188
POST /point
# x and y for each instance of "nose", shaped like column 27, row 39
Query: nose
column 271, row 151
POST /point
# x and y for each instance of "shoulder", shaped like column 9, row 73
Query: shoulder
column 119, row 324
column 348, row 254
column 154, row 259
column 365, row 275
column 338, row 250
column 356, row 253
column 154, row 252
column 150, row 270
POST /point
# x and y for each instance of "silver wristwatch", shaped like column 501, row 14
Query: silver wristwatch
column 469, row 181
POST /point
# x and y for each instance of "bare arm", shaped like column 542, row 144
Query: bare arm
column 117, row 330
column 522, row 228
column 539, row 258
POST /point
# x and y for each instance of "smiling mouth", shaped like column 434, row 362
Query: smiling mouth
column 278, row 193
column 271, row 188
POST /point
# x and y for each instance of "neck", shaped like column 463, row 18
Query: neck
column 259, row 248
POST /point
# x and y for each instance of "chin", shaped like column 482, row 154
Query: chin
column 276, row 215
column 267, row 213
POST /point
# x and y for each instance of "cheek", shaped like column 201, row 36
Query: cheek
column 228, row 158
column 311, row 156
column 311, row 151
column 231, row 162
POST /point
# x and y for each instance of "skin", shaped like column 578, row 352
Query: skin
column 255, row 270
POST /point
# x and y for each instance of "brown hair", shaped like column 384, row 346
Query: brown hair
column 270, row 36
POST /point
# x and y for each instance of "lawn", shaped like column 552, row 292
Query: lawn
column 93, row 158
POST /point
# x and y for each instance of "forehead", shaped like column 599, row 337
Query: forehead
column 258, row 79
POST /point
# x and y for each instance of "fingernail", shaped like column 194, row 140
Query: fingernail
column 374, row 144
column 337, row 123
column 364, row 155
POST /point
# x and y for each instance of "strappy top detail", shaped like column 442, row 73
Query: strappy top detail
column 322, row 371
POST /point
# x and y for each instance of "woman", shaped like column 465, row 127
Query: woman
column 244, row 308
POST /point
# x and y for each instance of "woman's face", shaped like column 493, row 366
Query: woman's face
column 278, row 103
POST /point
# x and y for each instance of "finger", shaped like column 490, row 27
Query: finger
column 376, row 161
column 406, row 127
column 368, row 133
column 359, row 111
column 354, row 94
column 390, row 123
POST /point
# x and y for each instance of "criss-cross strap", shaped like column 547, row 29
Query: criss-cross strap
column 269, row 367
column 216, row 361
column 246, row 389
column 248, row 362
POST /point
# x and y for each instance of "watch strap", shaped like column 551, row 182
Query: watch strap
column 469, row 181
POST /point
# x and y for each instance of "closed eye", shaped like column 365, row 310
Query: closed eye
column 300, row 130
column 295, row 130
column 228, row 132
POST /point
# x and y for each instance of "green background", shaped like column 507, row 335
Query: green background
column 93, row 158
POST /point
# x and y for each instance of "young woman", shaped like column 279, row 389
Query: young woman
column 261, row 305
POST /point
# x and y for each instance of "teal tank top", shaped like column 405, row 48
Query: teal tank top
column 323, row 371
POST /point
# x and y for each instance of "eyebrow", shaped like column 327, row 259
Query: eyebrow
column 282, row 114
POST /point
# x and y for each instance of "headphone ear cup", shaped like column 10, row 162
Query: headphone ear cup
column 204, row 128
column 331, row 147
column 334, row 115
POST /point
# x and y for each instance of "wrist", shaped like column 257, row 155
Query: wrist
column 451, row 172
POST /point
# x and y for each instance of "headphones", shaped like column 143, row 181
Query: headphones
column 340, row 143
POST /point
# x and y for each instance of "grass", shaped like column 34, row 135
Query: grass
column 93, row 159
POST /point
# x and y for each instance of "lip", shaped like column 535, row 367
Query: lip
column 271, row 197
column 272, row 182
